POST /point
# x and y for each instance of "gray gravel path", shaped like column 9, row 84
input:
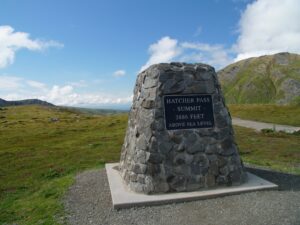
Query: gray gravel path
column 88, row 201
column 260, row 125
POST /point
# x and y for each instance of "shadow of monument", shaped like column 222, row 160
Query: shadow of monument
column 285, row 181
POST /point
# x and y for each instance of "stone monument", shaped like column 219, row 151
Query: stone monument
column 179, row 136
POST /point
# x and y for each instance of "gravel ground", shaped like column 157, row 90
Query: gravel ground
column 88, row 201
column 260, row 125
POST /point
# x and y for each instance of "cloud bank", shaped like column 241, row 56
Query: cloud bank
column 268, row 27
column 12, row 41
column 16, row 88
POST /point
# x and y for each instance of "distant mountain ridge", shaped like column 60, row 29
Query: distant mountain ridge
column 4, row 103
column 270, row 79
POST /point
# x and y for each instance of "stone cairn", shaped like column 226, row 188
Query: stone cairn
column 159, row 158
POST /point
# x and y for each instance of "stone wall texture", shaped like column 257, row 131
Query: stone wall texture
column 156, row 160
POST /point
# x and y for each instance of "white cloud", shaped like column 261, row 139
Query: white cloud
column 11, row 42
column 36, row 84
column 215, row 55
column 66, row 95
column 10, row 83
column 119, row 73
column 50, row 44
column 268, row 27
column 164, row 50
column 58, row 93
column 80, row 83
column 16, row 88
column 167, row 50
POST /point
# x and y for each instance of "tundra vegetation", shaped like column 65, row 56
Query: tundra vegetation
column 42, row 148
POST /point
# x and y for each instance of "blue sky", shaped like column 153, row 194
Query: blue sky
column 89, row 52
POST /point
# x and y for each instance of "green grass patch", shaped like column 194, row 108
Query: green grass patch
column 36, row 206
column 41, row 148
column 276, row 150
column 277, row 114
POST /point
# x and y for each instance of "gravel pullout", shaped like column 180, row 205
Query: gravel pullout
column 88, row 201
column 260, row 125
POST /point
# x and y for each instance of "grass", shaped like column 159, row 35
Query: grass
column 287, row 114
column 42, row 148
column 276, row 150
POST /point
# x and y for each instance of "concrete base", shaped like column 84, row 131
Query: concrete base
column 124, row 198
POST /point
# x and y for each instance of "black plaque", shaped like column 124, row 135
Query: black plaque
column 188, row 111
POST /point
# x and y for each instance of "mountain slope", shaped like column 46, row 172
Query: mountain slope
column 4, row 103
column 265, row 79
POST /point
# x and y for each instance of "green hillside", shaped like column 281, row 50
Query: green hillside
column 272, row 79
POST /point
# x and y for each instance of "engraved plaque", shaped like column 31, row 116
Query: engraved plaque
column 188, row 111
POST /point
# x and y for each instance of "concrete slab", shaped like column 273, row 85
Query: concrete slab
column 124, row 198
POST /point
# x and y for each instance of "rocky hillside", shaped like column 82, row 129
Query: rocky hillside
column 265, row 79
column 4, row 103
